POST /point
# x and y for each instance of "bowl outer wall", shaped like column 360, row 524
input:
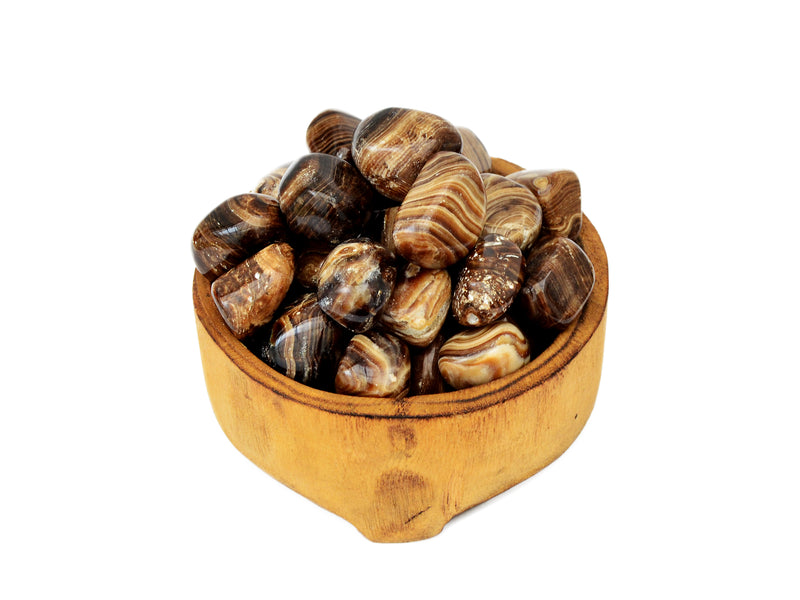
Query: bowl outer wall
column 399, row 470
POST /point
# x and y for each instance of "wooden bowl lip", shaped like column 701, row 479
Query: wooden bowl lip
column 549, row 363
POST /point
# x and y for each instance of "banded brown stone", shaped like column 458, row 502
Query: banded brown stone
column 443, row 214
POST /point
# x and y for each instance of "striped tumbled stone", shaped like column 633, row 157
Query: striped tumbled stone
column 391, row 146
column 443, row 214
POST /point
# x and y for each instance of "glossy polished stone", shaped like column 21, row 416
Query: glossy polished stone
column 425, row 376
column 478, row 356
column 331, row 132
column 268, row 184
column 418, row 306
column 355, row 282
column 304, row 343
column 490, row 280
column 559, row 279
column 391, row 146
column 308, row 262
column 324, row 198
column 443, row 213
column 511, row 210
column 249, row 294
column 472, row 148
column 559, row 195
column 374, row 364
column 235, row 230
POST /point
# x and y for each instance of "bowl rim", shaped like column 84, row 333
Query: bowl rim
column 566, row 346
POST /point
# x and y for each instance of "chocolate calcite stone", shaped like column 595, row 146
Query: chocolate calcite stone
column 482, row 355
column 472, row 148
column 249, row 294
column 304, row 343
column 391, row 146
column 331, row 132
column 559, row 195
column 234, row 230
column 374, row 364
column 511, row 210
column 354, row 283
column 418, row 306
column 269, row 183
column 324, row 198
column 443, row 213
column 559, row 279
column 489, row 281
column 425, row 376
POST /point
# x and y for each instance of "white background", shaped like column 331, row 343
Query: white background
column 123, row 124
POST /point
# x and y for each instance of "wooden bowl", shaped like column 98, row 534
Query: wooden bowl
column 400, row 470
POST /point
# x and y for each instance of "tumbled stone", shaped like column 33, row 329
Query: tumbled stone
column 374, row 364
column 304, row 344
column 354, row 283
column 472, row 148
column 418, row 306
column 391, row 146
column 478, row 356
column 490, row 280
column 425, row 376
column 331, row 132
column 559, row 279
column 269, row 184
column 559, row 195
column 249, row 294
column 324, row 198
column 511, row 210
column 443, row 214
column 235, row 230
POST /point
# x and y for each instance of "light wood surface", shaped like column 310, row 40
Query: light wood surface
column 400, row 470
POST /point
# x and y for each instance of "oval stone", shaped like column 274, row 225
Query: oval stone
column 511, row 210
column 419, row 304
column 443, row 214
column 331, row 132
column 354, row 283
column 391, row 146
column 235, row 230
column 269, row 183
column 304, row 343
column 559, row 195
column 324, row 198
column 374, row 364
column 482, row 355
column 489, row 281
column 249, row 294
column 472, row 147
column 559, row 279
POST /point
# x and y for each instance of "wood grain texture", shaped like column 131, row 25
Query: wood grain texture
column 400, row 470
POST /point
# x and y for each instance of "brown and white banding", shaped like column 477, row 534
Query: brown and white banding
column 425, row 376
column 248, row 295
column 374, row 364
column 324, row 198
column 234, row 230
column 391, row 146
column 331, row 132
column 559, row 278
column 511, row 210
column 443, row 213
column 489, row 281
column 354, row 283
column 269, row 183
column 472, row 147
column 418, row 306
column 304, row 343
column 478, row 356
column 559, row 195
